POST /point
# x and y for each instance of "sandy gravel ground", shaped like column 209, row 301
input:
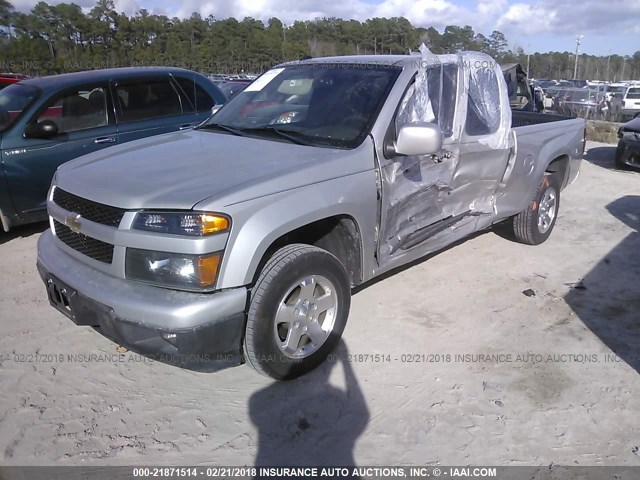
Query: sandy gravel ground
column 558, row 382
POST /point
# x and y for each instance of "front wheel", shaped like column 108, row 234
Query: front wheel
column 534, row 225
column 298, row 311
column 618, row 159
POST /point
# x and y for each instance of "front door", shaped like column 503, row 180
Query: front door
column 427, row 197
column 83, row 124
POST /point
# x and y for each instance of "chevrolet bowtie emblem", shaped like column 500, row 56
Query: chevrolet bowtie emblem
column 73, row 221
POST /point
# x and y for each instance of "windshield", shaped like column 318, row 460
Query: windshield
column 633, row 93
column 611, row 89
column 13, row 100
column 314, row 104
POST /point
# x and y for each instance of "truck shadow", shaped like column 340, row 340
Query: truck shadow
column 23, row 231
column 603, row 157
column 608, row 300
column 309, row 421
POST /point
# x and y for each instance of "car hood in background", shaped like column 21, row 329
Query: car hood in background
column 180, row 169
column 632, row 125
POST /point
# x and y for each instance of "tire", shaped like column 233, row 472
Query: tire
column 534, row 225
column 620, row 165
column 281, row 312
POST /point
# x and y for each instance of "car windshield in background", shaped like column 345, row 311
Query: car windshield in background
column 615, row 89
column 633, row 93
column 13, row 100
column 311, row 104
column 579, row 83
column 578, row 95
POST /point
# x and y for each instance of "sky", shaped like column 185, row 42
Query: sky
column 607, row 26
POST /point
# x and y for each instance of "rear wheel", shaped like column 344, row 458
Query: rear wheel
column 534, row 225
column 299, row 308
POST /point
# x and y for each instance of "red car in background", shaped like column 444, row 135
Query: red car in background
column 7, row 79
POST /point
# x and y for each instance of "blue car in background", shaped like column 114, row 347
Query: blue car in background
column 47, row 121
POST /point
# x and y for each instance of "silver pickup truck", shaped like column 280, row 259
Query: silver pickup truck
column 240, row 240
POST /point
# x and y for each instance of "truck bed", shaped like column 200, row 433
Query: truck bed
column 524, row 119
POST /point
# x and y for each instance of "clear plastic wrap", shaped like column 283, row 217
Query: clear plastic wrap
column 488, row 100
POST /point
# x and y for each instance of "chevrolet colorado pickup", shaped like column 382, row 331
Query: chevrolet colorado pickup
column 243, row 237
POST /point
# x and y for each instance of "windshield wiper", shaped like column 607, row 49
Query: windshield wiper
column 225, row 128
column 292, row 135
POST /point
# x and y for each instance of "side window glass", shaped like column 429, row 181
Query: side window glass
column 75, row 110
column 146, row 100
column 439, row 104
column 483, row 109
column 197, row 95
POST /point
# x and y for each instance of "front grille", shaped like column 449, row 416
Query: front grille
column 96, row 249
column 96, row 212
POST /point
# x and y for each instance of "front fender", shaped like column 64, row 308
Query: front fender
column 7, row 210
column 258, row 223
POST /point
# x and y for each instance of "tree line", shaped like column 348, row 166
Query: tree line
column 62, row 38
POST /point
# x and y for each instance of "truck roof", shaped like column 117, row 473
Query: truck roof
column 385, row 60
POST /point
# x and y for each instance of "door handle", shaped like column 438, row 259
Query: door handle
column 101, row 140
column 187, row 126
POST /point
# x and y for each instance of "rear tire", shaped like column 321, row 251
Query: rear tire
column 298, row 311
column 534, row 225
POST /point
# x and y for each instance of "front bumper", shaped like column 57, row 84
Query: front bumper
column 175, row 325
column 628, row 151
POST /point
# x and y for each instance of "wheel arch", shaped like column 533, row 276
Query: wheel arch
column 5, row 223
column 559, row 169
column 339, row 234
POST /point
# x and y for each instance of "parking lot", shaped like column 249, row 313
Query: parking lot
column 446, row 362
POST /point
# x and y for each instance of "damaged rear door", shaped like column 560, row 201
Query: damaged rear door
column 428, row 199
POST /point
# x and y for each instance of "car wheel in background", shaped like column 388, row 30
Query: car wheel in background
column 619, row 156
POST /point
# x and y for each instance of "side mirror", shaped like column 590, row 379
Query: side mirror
column 418, row 139
column 44, row 129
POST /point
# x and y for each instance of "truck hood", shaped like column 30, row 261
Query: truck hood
column 180, row 169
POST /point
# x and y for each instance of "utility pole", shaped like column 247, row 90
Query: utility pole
column 608, row 64
column 528, row 58
column 284, row 40
column 575, row 68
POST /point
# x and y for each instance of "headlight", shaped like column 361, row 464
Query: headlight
column 182, row 223
column 178, row 270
